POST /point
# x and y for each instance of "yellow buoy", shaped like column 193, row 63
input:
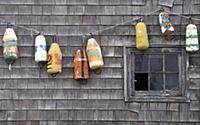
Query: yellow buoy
column 54, row 63
column 142, row 41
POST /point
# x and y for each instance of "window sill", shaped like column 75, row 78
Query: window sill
column 157, row 99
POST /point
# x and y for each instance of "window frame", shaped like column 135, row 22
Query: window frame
column 131, row 95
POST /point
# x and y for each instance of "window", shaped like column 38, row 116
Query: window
column 158, row 73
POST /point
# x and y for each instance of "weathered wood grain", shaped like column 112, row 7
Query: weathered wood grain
column 29, row 96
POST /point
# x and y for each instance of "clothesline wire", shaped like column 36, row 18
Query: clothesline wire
column 21, row 27
column 187, row 17
column 122, row 23
column 32, row 30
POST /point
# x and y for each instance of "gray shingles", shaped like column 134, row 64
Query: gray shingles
column 92, row 1
column 47, row 10
column 25, row 9
column 59, row 10
column 168, row 3
column 23, row 20
column 194, row 106
column 183, row 112
column 3, row 115
column 37, row 10
column 94, row 10
column 72, row 10
column 16, row 115
column 30, row 95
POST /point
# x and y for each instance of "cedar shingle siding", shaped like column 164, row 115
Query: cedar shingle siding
column 28, row 96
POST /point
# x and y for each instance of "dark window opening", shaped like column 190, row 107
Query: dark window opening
column 141, row 81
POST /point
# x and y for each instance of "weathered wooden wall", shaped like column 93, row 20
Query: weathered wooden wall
column 29, row 96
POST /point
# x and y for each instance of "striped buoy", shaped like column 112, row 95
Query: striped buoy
column 192, row 43
column 10, row 50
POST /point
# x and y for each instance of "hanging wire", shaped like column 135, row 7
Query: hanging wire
column 19, row 26
column 186, row 17
column 122, row 23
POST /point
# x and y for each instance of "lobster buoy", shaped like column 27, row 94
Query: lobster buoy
column 54, row 61
column 192, row 43
column 94, row 54
column 166, row 24
column 80, row 65
column 142, row 41
column 10, row 50
column 40, row 50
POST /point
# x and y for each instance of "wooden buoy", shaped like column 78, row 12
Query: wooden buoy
column 94, row 54
column 40, row 50
column 80, row 65
column 192, row 43
column 10, row 50
column 166, row 24
column 54, row 63
column 142, row 42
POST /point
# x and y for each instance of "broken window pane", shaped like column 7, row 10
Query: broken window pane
column 156, row 82
column 171, row 62
column 141, row 81
column 141, row 63
column 171, row 81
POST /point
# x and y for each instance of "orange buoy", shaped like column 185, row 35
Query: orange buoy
column 80, row 65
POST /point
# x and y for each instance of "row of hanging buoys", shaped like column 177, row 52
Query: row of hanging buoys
column 142, row 41
column 167, row 29
column 192, row 43
column 91, row 55
column 10, row 50
column 166, row 24
column 80, row 65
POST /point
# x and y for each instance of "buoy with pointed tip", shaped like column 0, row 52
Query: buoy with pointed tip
column 80, row 65
column 54, row 61
column 40, row 50
column 192, row 42
column 94, row 54
column 142, row 42
column 166, row 24
column 10, row 50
